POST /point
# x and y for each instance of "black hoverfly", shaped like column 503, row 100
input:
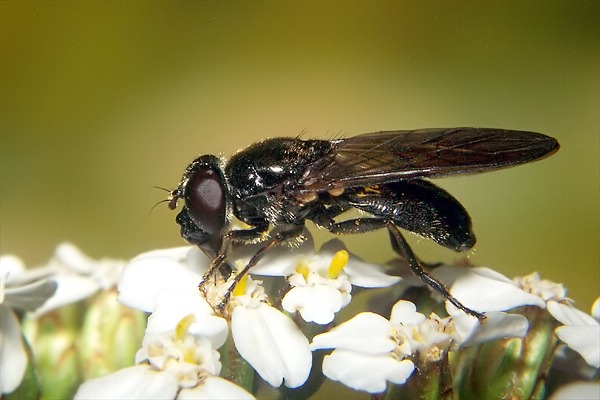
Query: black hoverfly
column 283, row 182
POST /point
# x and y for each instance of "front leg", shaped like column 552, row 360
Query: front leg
column 288, row 232
column 233, row 236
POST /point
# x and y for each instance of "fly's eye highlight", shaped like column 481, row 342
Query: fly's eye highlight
column 206, row 200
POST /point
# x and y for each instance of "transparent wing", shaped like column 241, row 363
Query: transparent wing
column 380, row 157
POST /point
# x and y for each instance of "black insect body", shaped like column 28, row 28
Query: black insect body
column 283, row 182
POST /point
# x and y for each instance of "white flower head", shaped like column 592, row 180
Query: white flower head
column 185, row 355
column 580, row 331
column 319, row 288
column 322, row 282
column 268, row 339
column 171, row 365
column 368, row 351
column 369, row 338
column 429, row 337
column 543, row 288
column 165, row 283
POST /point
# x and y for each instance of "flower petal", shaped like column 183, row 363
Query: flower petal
column 366, row 371
column 13, row 272
column 146, row 276
column 172, row 306
column 569, row 315
column 367, row 332
column 70, row 289
column 137, row 382
column 11, row 267
column 484, row 290
column 214, row 387
column 272, row 344
column 497, row 325
column 405, row 313
column 577, row 391
column 13, row 358
column 584, row 339
column 74, row 259
column 316, row 304
column 32, row 296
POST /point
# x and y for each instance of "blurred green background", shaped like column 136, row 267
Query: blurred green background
column 102, row 100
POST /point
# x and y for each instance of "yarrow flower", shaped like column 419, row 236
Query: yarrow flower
column 367, row 353
column 369, row 339
column 69, row 277
column 170, row 365
column 322, row 283
column 292, row 294
column 268, row 339
column 165, row 283
column 579, row 331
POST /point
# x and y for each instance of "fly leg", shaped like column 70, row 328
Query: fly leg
column 288, row 233
column 235, row 236
column 400, row 243
column 361, row 225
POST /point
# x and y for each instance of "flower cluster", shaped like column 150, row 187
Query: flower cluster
column 36, row 311
column 282, row 322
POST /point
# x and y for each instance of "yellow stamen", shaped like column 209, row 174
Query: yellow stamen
column 303, row 269
column 189, row 355
column 182, row 327
column 240, row 288
column 338, row 262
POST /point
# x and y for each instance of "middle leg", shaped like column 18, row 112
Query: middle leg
column 400, row 245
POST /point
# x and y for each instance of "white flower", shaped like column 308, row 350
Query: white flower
column 321, row 283
column 367, row 354
column 497, row 325
column 543, row 288
column 484, row 290
column 319, row 288
column 21, row 290
column 429, row 336
column 78, row 276
column 268, row 339
column 367, row 339
column 580, row 331
column 170, row 365
column 68, row 277
column 165, row 283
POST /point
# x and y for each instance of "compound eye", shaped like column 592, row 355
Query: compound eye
column 205, row 199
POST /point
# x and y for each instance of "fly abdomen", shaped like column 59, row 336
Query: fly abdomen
column 420, row 207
